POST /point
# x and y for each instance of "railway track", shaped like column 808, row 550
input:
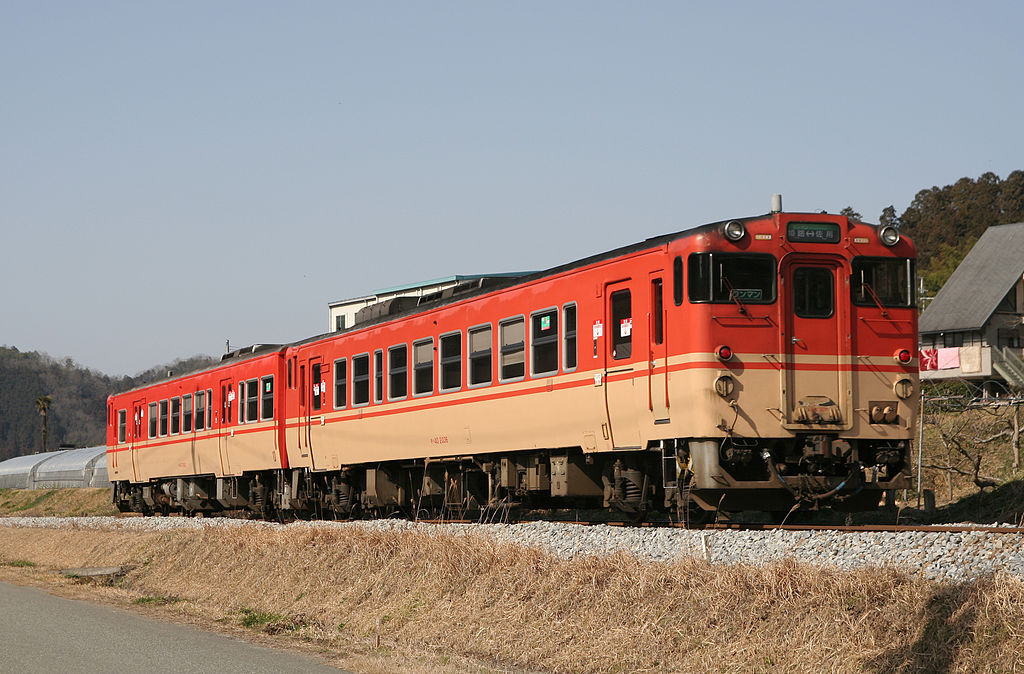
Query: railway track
column 732, row 526
column 719, row 526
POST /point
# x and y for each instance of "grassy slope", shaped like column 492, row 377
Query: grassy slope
column 56, row 502
column 434, row 598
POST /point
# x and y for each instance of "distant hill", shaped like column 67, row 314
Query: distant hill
column 945, row 222
column 79, row 396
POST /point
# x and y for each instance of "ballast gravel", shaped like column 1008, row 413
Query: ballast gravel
column 943, row 556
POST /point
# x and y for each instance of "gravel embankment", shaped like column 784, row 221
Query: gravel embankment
column 936, row 555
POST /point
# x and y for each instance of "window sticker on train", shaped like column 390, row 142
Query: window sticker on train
column 544, row 342
column 267, row 398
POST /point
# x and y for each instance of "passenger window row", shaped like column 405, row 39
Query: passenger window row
column 177, row 415
column 552, row 332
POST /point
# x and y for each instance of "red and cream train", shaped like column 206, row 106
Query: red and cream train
column 749, row 364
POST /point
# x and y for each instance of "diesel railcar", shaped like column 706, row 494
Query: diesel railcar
column 749, row 364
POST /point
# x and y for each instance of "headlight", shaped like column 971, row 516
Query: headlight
column 889, row 235
column 734, row 230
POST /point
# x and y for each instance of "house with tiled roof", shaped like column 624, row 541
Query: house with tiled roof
column 974, row 328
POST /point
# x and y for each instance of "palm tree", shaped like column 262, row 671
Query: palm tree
column 43, row 406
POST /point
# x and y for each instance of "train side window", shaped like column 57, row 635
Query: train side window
column 252, row 400
column 544, row 342
column 241, row 402
column 622, row 325
column 152, row 420
column 175, row 415
column 209, row 408
column 423, row 367
column 289, row 373
column 340, row 383
column 813, row 294
column 657, row 313
column 186, row 413
column 163, row 418
column 378, row 376
column 512, row 338
column 200, row 410
column 361, row 379
column 890, row 281
column 267, row 397
column 451, row 361
column 569, row 337
column 726, row 278
column 122, row 425
column 316, row 380
column 480, row 362
column 677, row 280
column 398, row 372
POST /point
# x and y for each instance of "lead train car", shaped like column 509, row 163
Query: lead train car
column 744, row 365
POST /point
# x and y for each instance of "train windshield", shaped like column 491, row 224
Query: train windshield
column 883, row 281
column 729, row 277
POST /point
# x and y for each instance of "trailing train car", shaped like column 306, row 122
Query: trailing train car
column 750, row 364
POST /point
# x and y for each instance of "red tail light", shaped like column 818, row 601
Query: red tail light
column 903, row 356
column 723, row 353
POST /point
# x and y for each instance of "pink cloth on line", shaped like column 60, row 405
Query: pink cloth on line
column 949, row 358
column 929, row 359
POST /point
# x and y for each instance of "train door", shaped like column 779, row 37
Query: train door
column 312, row 408
column 620, row 362
column 222, row 423
column 135, row 435
column 816, row 379
column 657, row 379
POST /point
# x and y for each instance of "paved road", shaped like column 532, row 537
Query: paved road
column 42, row 633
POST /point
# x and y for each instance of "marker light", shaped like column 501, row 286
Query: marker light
column 724, row 353
column 903, row 356
column 734, row 230
column 889, row 235
column 903, row 388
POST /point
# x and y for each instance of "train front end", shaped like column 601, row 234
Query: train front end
column 808, row 385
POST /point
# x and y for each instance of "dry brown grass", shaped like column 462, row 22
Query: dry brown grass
column 56, row 502
column 438, row 597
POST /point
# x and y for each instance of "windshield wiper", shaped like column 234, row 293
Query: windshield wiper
column 734, row 295
column 874, row 297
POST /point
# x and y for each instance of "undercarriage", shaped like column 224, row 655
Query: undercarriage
column 683, row 480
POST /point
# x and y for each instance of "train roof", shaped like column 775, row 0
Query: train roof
column 510, row 281
column 514, row 280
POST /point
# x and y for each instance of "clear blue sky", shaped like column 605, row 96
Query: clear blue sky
column 176, row 174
